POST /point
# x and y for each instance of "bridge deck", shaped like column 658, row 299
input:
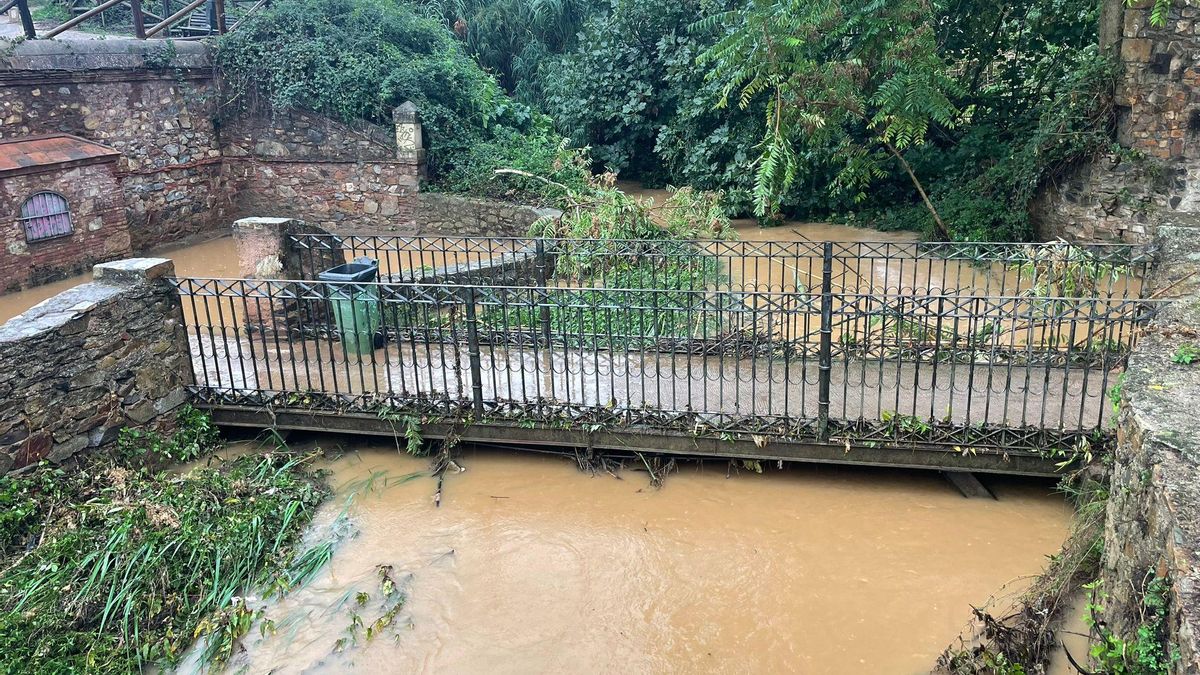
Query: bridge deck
column 602, row 347
column 647, row 440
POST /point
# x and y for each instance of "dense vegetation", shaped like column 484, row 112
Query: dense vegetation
column 868, row 104
column 359, row 59
column 943, row 116
column 115, row 566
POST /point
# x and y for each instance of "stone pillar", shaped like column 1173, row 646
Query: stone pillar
column 87, row 362
column 409, row 144
column 266, row 251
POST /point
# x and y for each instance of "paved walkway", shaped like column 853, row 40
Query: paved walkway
column 717, row 388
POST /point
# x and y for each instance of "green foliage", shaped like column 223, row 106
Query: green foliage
column 1147, row 651
column 359, row 59
column 128, row 565
column 511, row 38
column 984, row 182
column 1114, row 392
column 647, row 281
column 554, row 170
column 195, row 436
column 51, row 12
column 830, row 68
column 1158, row 11
column 1186, row 354
column 163, row 54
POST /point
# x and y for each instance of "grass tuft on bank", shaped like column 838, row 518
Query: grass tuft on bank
column 114, row 566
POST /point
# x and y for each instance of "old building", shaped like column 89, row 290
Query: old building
column 63, row 208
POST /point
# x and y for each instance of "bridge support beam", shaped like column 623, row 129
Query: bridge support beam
column 636, row 439
column 968, row 485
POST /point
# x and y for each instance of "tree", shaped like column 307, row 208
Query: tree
column 861, row 77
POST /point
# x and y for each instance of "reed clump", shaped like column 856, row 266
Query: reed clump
column 115, row 566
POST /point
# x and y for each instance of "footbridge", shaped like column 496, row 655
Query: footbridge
column 993, row 358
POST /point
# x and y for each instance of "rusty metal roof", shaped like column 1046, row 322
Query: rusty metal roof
column 35, row 154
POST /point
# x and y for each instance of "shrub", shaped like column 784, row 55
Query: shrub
column 359, row 59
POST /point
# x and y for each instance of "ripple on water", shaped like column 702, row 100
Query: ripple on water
column 531, row 566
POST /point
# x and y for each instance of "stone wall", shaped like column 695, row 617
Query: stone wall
column 340, row 195
column 313, row 168
column 90, row 361
column 159, row 118
column 1112, row 199
column 1153, row 520
column 450, row 215
column 101, row 231
column 1158, row 117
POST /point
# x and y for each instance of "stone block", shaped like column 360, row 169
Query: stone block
column 1136, row 50
column 133, row 271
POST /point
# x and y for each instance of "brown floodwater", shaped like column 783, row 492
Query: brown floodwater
column 868, row 261
column 213, row 258
column 530, row 565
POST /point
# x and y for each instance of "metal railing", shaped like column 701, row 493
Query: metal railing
column 713, row 355
column 1077, row 270
column 181, row 19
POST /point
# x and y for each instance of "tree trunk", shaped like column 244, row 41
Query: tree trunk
column 937, row 219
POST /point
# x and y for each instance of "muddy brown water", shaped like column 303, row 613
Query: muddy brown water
column 213, row 258
column 531, row 566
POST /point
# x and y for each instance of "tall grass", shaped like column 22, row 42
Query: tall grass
column 121, row 564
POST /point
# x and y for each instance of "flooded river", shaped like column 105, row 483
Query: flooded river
column 532, row 566
column 213, row 258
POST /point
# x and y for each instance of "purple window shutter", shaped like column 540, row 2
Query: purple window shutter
column 46, row 216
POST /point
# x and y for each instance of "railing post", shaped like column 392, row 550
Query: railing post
column 219, row 15
column 473, row 351
column 825, row 353
column 540, row 274
column 139, row 20
column 26, row 19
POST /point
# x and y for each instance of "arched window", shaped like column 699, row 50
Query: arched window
column 45, row 215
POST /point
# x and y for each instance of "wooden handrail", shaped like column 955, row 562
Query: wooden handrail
column 190, row 7
column 139, row 16
column 68, row 25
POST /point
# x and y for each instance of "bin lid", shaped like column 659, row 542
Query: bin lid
column 358, row 270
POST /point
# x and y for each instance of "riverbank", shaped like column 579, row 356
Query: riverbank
column 117, row 566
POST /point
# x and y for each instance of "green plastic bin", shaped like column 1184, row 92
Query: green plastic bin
column 354, row 303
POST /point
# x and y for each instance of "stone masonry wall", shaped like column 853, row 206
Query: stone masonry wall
column 1113, row 198
column 1158, row 117
column 450, row 215
column 159, row 118
column 313, row 168
column 97, row 213
column 1153, row 520
column 341, row 196
column 90, row 361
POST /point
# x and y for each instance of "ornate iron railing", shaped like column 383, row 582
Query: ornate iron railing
column 711, row 354
column 1058, row 268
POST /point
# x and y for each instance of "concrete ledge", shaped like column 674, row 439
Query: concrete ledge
column 101, row 54
column 133, row 271
column 56, row 312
